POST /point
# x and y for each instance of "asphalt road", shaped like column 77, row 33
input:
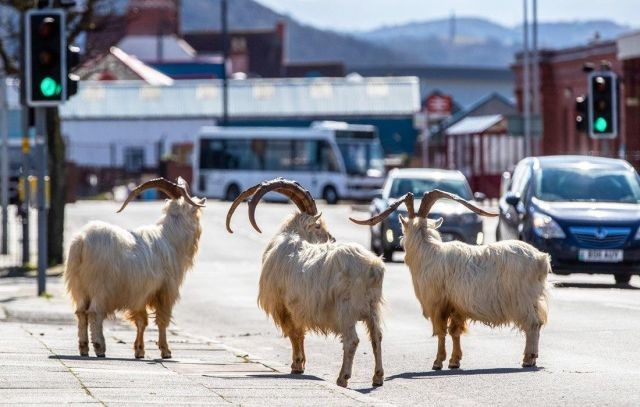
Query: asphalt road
column 588, row 352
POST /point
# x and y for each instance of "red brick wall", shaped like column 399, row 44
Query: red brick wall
column 562, row 80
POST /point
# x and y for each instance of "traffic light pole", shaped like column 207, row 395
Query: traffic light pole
column 41, row 147
column 5, row 163
column 26, row 172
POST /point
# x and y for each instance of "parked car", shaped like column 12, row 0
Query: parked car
column 584, row 211
column 459, row 223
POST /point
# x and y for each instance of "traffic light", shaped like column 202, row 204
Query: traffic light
column 45, row 57
column 603, row 105
column 582, row 114
column 73, row 60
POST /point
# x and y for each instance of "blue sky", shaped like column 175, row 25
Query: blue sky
column 352, row 15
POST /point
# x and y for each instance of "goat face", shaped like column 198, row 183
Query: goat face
column 313, row 229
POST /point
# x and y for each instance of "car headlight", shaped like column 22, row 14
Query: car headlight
column 389, row 235
column 547, row 228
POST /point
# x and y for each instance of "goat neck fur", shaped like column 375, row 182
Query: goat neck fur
column 111, row 269
column 495, row 284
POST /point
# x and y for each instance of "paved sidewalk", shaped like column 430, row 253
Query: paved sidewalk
column 39, row 364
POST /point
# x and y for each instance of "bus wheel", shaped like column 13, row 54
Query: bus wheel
column 330, row 195
column 232, row 193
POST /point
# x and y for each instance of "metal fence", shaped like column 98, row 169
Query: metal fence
column 14, row 256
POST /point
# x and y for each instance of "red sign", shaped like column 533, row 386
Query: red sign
column 438, row 105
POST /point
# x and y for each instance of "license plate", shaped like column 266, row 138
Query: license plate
column 602, row 256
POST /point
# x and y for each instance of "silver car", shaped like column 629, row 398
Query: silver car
column 459, row 223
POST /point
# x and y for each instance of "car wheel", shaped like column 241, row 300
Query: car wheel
column 623, row 278
column 232, row 193
column 387, row 254
column 330, row 195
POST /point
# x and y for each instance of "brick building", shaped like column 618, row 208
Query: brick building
column 562, row 80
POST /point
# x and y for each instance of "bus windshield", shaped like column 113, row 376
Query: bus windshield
column 362, row 157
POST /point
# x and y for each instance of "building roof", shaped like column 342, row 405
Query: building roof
column 437, row 72
column 268, row 98
column 153, row 48
column 474, row 125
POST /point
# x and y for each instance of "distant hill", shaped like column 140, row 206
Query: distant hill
column 476, row 41
column 304, row 43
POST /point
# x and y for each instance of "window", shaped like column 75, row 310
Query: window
column 327, row 158
column 133, row 159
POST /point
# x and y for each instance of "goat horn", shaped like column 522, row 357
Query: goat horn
column 291, row 189
column 407, row 199
column 184, row 192
column 170, row 189
column 430, row 198
column 244, row 195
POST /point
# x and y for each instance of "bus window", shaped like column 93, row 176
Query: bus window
column 327, row 158
column 278, row 155
column 305, row 154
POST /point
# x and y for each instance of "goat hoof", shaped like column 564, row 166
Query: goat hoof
column 342, row 382
column 531, row 363
column 84, row 353
column 454, row 365
column 139, row 355
column 166, row 354
column 378, row 381
column 297, row 371
column 437, row 365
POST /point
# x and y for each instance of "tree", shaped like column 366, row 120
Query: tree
column 79, row 19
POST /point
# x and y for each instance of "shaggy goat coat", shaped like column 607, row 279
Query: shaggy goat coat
column 323, row 287
column 496, row 284
column 111, row 269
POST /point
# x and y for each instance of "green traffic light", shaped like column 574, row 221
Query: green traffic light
column 600, row 124
column 49, row 87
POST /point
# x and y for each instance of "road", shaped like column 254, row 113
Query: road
column 588, row 352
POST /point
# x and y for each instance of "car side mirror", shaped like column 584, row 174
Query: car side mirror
column 512, row 198
column 480, row 196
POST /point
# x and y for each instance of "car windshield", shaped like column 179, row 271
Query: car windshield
column 418, row 186
column 591, row 185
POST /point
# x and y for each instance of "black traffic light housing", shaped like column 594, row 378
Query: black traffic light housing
column 582, row 114
column 73, row 60
column 45, row 57
column 603, row 105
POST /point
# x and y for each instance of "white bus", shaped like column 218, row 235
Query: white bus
column 333, row 160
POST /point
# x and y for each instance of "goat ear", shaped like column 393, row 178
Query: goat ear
column 404, row 221
column 437, row 223
column 317, row 217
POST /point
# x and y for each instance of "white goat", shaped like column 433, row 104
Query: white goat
column 310, row 283
column 111, row 269
column 496, row 284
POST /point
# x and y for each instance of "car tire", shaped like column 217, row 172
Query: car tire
column 232, row 193
column 387, row 254
column 330, row 195
column 622, row 278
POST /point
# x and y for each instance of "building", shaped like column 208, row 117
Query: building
column 562, row 80
column 117, row 129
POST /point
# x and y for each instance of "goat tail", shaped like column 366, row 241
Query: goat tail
column 542, row 307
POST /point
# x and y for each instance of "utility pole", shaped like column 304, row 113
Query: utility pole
column 4, row 159
column 537, row 112
column 41, row 142
column 26, row 172
column 526, row 90
column 225, row 58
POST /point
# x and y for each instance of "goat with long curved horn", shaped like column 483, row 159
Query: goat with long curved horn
column 170, row 189
column 407, row 199
column 501, row 283
column 310, row 282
